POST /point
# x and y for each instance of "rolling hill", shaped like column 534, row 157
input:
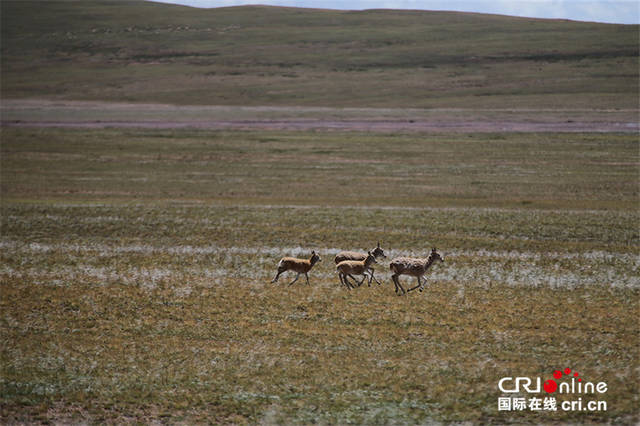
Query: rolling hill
column 138, row 51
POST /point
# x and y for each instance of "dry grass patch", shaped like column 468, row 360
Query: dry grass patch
column 244, row 352
column 156, row 305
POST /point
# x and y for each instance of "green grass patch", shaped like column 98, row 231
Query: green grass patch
column 140, row 51
column 566, row 171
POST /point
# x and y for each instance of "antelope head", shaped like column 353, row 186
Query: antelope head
column 378, row 252
column 314, row 258
column 435, row 255
column 370, row 259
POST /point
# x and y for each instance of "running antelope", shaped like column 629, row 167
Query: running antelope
column 348, row 268
column 353, row 255
column 416, row 267
column 301, row 266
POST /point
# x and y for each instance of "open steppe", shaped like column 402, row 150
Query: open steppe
column 157, row 161
column 136, row 267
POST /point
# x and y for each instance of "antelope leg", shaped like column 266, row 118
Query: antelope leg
column 343, row 281
column 371, row 277
column 397, row 281
column 296, row 279
column 347, row 282
column 355, row 282
column 394, row 278
column 419, row 285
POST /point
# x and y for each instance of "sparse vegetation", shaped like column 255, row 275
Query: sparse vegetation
column 135, row 264
column 136, row 267
column 550, row 171
column 287, row 56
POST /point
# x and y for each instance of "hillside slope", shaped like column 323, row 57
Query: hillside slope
column 137, row 51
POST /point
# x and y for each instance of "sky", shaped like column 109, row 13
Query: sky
column 609, row 11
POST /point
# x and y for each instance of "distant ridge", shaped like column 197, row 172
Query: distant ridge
column 138, row 51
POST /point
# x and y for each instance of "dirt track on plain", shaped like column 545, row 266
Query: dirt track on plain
column 78, row 114
column 350, row 125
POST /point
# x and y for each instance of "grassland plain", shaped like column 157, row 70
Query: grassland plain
column 139, row 51
column 135, row 263
column 135, row 268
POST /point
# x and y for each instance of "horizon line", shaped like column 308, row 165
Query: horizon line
column 278, row 4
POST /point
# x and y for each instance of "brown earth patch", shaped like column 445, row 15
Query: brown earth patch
column 348, row 125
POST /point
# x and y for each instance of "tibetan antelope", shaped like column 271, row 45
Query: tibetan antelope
column 353, row 255
column 348, row 268
column 301, row 266
column 416, row 267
